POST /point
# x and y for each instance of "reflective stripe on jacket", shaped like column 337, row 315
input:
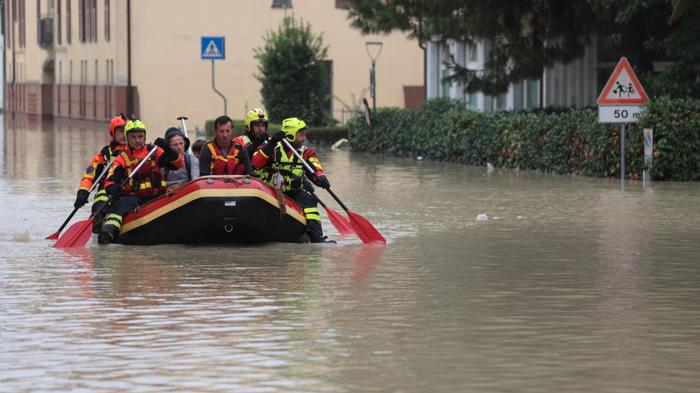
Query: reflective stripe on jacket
column 225, row 163
column 97, row 165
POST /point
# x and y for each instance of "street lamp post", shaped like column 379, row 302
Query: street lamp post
column 374, row 48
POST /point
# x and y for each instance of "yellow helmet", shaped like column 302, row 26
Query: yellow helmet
column 253, row 115
column 291, row 127
column 134, row 125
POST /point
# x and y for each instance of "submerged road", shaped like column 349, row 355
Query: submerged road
column 563, row 284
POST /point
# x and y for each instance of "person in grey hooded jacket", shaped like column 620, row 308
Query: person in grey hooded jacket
column 190, row 170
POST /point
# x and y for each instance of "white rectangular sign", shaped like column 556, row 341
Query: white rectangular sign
column 620, row 113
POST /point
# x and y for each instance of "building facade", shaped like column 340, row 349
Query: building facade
column 572, row 84
column 90, row 59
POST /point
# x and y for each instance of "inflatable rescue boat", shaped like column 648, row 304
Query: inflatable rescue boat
column 216, row 209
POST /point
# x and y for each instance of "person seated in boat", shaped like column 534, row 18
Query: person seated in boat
column 255, row 124
column 223, row 156
column 197, row 147
column 276, row 158
column 129, row 190
column 96, row 167
column 175, row 178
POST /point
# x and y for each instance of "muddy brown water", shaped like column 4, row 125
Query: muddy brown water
column 570, row 284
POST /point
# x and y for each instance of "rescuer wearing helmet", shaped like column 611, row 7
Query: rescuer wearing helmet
column 277, row 158
column 255, row 123
column 95, row 168
column 144, row 185
column 223, row 156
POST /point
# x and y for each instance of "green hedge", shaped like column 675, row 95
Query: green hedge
column 324, row 134
column 567, row 141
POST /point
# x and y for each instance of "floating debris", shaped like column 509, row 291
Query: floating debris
column 23, row 237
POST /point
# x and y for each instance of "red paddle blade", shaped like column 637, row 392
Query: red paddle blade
column 52, row 236
column 339, row 222
column 364, row 229
column 77, row 235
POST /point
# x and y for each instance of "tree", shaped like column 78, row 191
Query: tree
column 525, row 36
column 292, row 72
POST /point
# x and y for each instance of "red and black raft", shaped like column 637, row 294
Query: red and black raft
column 215, row 209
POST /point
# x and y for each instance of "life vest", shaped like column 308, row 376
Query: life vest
column 225, row 163
column 290, row 168
column 242, row 140
column 148, row 181
column 107, row 153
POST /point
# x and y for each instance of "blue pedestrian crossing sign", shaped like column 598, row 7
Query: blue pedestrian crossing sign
column 213, row 48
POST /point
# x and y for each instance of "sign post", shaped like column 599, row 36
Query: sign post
column 648, row 155
column 622, row 101
column 213, row 49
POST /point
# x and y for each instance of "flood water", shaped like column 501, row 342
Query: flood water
column 571, row 284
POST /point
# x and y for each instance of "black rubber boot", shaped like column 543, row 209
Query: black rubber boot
column 105, row 237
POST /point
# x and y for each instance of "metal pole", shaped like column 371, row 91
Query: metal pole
column 214, row 87
column 184, row 127
column 129, row 88
column 622, row 153
column 374, row 89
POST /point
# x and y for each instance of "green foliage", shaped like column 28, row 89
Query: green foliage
column 676, row 124
column 527, row 35
column 563, row 141
column 292, row 72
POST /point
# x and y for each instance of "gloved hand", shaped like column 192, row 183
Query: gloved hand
column 81, row 199
column 279, row 135
column 162, row 143
column 259, row 139
column 114, row 191
column 308, row 186
column 322, row 182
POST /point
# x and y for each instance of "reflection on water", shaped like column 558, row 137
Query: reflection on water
column 572, row 284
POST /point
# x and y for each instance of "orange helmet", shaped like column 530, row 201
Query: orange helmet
column 117, row 121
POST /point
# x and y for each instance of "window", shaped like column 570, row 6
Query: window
column 93, row 20
column 107, row 24
column 532, row 93
column 58, row 22
column 22, row 25
column 281, row 3
column 68, row 22
column 472, row 55
column 341, row 4
column 327, row 87
column 473, row 101
column 87, row 17
column 8, row 25
column 81, row 20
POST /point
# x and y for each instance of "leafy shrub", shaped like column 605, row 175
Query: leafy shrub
column 292, row 72
column 561, row 141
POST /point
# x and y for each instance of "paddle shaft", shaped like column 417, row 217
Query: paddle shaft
column 121, row 185
column 92, row 188
column 184, row 125
column 80, row 236
column 308, row 168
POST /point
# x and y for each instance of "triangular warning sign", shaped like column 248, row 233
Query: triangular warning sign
column 623, row 87
column 212, row 50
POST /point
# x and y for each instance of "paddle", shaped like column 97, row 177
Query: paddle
column 184, row 125
column 54, row 235
column 339, row 222
column 79, row 233
column 363, row 228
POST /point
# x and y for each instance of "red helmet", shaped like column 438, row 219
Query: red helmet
column 117, row 121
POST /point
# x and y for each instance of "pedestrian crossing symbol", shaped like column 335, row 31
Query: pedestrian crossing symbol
column 213, row 48
column 623, row 87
